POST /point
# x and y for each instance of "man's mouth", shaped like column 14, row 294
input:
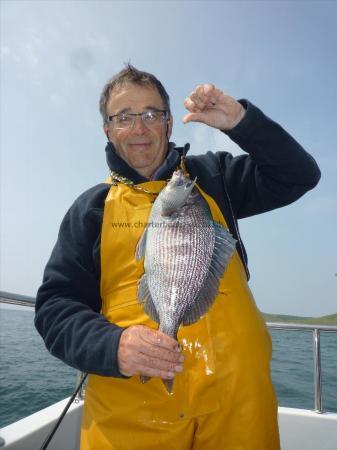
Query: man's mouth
column 139, row 145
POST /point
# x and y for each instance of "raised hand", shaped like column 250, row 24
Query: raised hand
column 211, row 106
column 149, row 353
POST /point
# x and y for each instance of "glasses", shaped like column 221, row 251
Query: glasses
column 150, row 119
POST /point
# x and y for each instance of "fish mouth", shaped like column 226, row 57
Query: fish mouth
column 179, row 179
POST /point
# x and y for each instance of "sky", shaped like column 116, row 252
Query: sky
column 57, row 55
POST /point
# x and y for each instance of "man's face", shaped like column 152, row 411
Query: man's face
column 143, row 148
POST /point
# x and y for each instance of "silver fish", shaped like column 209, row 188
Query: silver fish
column 186, row 253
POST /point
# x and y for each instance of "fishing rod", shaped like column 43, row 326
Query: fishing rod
column 72, row 398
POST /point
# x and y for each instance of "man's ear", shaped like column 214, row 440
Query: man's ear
column 106, row 131
column 169, row 126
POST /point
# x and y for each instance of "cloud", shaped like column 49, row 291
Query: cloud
column 81, row 59
column 57, row 100
column 327, row 162
column 24, row 49
column 326, row 205
column 7, row 52
column 31, row 54
column 4, row 50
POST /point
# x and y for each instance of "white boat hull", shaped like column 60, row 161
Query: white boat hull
column 300, row 429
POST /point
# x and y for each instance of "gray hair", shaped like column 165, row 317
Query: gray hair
column 131, row 75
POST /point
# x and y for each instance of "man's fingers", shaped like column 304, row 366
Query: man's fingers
column 152, row 373
column 193, row 117
column 141, row 364
column 141, row 347
column 161, row 354
column 204, row 97
column 190, row 105
column 199, row 100
column 207, row 92
column 210, row 90
column 157, row 364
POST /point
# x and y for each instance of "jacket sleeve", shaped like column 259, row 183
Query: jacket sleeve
column 276, row 171
column 68, row 302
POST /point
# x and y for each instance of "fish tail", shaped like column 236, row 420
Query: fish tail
column 144, row 379
column 169, row 385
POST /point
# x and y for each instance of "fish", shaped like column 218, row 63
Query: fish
column 185, row 254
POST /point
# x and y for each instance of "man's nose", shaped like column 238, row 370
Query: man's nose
column 139, row 127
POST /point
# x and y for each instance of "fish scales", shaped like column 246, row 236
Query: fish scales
column 177, row 263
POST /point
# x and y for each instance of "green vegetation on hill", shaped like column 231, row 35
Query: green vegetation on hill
column 331, row 319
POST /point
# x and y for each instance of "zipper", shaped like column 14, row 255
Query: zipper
column 235, row 222
column 238, row 235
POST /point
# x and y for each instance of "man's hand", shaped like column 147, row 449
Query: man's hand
column 215, row 108
column 149, row 353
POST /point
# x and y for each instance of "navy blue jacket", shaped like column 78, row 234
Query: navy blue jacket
column 275, row 172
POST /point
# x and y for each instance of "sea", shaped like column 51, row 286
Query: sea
column 32, row 379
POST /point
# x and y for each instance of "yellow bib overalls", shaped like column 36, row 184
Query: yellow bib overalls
column 223, row 399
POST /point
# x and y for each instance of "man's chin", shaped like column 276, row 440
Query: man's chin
column 144, row 161
column 141, row 165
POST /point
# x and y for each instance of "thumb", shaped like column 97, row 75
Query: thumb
column 193, row 117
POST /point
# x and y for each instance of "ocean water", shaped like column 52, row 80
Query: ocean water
column 31, row 379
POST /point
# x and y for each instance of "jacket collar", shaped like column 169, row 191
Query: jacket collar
column 172, row 160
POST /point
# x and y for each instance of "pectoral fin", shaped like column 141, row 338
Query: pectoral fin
column 141, row 246
column 144, row 296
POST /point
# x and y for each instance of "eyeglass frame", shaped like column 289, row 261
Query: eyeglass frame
column 166, row 117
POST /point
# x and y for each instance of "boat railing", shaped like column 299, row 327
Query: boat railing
column 316, row 331
column 16, row 299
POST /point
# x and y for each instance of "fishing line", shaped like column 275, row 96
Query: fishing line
column 215, row 145
column 72, row 398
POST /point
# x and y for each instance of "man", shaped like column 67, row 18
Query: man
column 87, row 309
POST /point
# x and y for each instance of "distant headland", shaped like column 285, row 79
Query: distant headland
column 331, row 319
